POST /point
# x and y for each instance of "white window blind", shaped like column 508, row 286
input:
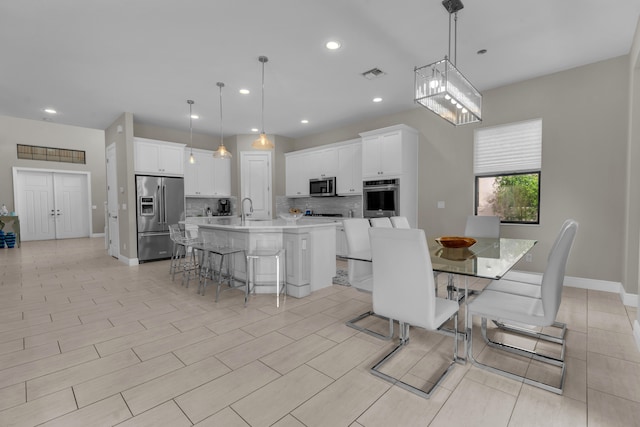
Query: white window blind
column 516, row 147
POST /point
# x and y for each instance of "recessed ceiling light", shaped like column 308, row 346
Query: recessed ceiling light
column 244, row 91
column 304, row 121
column 50, row 111
column 333, row 45
column 195, row 116
column 377, row 99
column 254, row 129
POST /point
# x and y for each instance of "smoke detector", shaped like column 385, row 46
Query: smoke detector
column 373, row 73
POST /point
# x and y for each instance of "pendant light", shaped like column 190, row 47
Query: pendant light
column 262, row 143
column 192, row 159
column 221, row 152
column 441, row 88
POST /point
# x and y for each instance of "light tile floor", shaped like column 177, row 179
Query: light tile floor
column 88, row 341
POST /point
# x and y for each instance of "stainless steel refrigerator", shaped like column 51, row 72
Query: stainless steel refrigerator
column 160, row 202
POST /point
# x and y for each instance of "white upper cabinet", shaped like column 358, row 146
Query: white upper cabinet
column 221, row 177
column 349, row 176
column 207, row 176
column 382, row 155
column 323, row 163
column 158, row 157
column 392, row 152
column 342, row 160
column 297, row 175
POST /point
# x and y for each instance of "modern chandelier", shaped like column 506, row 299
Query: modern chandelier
column 221, row 152
column 192, row 159
column 262, row 143
column 441, row 87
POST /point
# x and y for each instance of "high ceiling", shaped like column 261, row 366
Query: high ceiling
column 94, row 60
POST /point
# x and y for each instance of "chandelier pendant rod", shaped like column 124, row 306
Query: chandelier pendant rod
column 263, row 60
column 221, row 85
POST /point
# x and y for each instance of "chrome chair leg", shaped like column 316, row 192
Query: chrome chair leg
column 404, row 340
column 353, row 324
column 522, row 352
column 524, row 331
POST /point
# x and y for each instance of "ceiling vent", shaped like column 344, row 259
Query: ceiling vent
column 373, row 73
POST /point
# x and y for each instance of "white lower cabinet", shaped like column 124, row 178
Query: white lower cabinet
column 298, row 273
column 341, row 241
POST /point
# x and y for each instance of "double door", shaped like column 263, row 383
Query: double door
column 52, row 205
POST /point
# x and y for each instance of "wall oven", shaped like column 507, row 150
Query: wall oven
column 381, row 197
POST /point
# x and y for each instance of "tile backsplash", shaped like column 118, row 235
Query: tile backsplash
column 197, row 206
column 322, row 205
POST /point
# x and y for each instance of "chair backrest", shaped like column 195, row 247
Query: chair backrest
column 400, row 222
column 553, row 277
column 356, row 231
column 381, row 222
column 403, row 284
column 555, row 243
column 482, row 226
column 174, row 232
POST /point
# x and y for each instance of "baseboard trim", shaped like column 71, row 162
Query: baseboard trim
column 627, row 299
column 96, row 235
column 129, row 261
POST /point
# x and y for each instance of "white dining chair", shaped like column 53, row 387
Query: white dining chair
column 381, row 222
column 524, row 310
column 360, row 272
column 482, row 226
column 404, row 290
column 529, row 286
column 400, row 222
column 478, row 226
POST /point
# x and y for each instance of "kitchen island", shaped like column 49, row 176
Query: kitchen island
column 310, row 246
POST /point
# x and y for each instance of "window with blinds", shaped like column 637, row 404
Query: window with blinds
column 507, row 161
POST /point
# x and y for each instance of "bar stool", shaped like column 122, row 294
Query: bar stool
column 191, row 264
column 266, row 254
column 208, row 267
column 180, row 253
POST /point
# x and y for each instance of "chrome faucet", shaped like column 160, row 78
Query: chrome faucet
column 243, row 214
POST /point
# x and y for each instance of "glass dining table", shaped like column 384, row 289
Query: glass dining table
column 488, row 258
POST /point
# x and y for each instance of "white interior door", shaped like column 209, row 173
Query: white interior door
column 255, row 181
column 112, row 202
column 52, row 205
column 71, row 205
column 35, row 205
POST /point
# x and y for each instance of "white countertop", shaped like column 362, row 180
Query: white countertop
column 233, row 223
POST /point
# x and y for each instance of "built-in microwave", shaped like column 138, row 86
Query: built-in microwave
column 381, row 197
column 322, row 187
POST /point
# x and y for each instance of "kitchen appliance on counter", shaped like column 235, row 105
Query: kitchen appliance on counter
column 381, row 197
column 160, row 202
column 224, row 207
column 322, row 187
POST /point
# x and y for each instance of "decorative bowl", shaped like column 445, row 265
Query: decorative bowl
column 291, row 216
column 455, row 254
column 455, row 241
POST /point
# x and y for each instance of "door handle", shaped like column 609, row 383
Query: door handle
column 114, row 216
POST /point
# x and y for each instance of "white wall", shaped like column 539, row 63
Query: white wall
column 15, row 131
column 583, row 166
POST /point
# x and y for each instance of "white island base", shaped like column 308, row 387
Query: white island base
column 310, row 251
